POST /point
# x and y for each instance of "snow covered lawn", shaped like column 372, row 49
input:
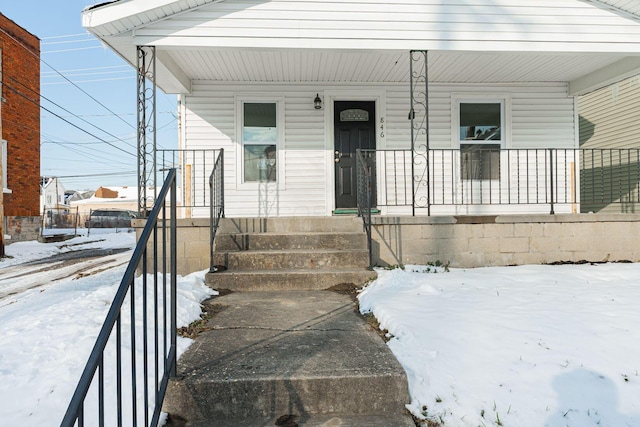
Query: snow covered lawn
column 516, row 346
column 46, row 334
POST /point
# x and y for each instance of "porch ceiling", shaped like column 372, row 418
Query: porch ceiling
column 342, row 67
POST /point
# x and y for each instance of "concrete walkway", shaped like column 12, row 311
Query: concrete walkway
column 288, row 358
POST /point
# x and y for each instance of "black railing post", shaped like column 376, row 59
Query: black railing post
column 364, row 186
column 95, row 365
column 216, row 202
column 174, row 279
column 368, row 213
column 552, row 179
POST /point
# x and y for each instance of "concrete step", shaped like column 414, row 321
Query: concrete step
column 269, row 280
column 273, row 354
column 290, row 225
column 307, row 421
column 279, row 241
column 287, row 259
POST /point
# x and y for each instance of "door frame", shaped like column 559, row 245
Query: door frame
column 329, row 96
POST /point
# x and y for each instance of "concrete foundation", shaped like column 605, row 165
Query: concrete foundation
column 461, row 241
column 470, row 241
column 21, row 228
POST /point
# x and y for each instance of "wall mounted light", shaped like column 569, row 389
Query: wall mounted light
column 317, row 102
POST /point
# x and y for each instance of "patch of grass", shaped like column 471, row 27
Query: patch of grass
column 373, row 322
column 428, row 421
column 195, row 328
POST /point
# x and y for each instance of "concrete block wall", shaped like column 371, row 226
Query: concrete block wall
column 506, row 240
column 464, row 241
column 192, row 244
column 21, row 228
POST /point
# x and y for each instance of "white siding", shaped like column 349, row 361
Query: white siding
column 542, row 116
column 553, row 25
column 610, row 117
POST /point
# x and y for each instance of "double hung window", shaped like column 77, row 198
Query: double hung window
column 481, row 136
column 260, row 141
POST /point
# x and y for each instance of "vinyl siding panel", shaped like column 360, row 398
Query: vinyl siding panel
column 610, row 117
column 541, row 116
column 438, row 25
column 610, row 131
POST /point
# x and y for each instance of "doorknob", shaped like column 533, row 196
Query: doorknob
column 337, row 158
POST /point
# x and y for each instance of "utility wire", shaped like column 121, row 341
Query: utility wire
column 73, row 114
column 63, row 76
column 65, row 120
column 88, row 69
column 64, row 36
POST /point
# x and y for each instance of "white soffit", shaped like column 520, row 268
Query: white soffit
column 170, row 25
column 118, row 17
column 340, row 66
column 631, row 7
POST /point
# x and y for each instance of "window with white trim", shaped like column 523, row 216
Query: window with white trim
column 260, row 134
column 480, row 137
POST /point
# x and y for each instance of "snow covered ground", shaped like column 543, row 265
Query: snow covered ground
column 47, row 332
column 516, row 346
column 513, row 346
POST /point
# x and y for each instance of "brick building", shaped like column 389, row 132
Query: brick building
column 20, row 121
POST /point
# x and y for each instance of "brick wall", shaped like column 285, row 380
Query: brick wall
column 21, row 118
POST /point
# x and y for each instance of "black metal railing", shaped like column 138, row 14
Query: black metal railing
column 216, row 197
column 140, row 382
column 365, row 174
column 194, row 167
column 589, row 178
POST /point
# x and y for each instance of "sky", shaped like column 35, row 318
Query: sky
column 103, row 104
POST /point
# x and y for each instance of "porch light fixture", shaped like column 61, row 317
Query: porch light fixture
column 317, row 102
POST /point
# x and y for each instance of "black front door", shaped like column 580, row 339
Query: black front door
column 354, row 124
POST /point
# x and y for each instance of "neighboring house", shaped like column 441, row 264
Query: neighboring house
column 290, row 91
column 125, row 198
column 52, row 194
column 112, row 197
column 20, row 122
column 610, row 136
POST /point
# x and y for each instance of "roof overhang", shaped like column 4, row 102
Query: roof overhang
column 198, row 53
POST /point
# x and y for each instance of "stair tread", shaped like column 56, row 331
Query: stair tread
column 296, row 270
column 307, row 420
column 292, row 233
column 292, row 250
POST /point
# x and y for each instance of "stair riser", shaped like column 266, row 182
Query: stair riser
column 243, row 242
column 385, row 395
column 290, row 225
column 291, row 260
column 239, row 281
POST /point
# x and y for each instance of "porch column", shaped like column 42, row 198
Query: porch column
column 146, row 85
column 419, row 116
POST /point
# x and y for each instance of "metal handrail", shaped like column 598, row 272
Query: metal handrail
column 589, row 178
column 194, row 167
column 216, row 203
column 96, row 362
column 365, row 185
